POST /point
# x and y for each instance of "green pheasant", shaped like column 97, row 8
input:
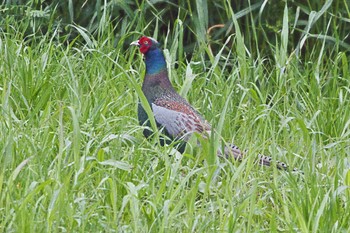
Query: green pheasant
column 173, row 113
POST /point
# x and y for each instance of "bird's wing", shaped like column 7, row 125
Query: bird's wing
column 178, row 122
column 181, row 120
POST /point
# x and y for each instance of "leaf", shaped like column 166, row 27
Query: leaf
column 19, row 168
column 117, row 164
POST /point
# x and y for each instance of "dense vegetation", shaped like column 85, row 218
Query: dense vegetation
column 271, row 75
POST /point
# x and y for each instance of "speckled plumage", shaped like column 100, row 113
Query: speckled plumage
column 172, row 112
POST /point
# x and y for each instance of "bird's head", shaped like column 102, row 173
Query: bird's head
column 145, row 44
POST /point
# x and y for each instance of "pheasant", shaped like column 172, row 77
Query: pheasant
column 173, row 113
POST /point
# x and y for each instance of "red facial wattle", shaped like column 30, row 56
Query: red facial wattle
column 145, row 43
column 144, row 49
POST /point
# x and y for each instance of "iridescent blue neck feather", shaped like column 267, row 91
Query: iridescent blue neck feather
column 155, row 61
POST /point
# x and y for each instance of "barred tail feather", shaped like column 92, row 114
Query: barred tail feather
column 238, row 154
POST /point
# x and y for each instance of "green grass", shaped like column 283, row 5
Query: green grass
column 73, row 157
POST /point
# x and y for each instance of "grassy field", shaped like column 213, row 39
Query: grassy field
column 73, row 157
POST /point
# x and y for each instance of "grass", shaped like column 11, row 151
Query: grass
column 73, row 157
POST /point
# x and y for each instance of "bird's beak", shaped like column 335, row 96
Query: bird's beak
column 136, row 43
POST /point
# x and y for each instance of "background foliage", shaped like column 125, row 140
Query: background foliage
column 273, row 75
column 259, row 21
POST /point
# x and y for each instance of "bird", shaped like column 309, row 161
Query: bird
column 173, row 113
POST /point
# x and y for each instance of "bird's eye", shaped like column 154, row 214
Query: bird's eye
column 146, row 42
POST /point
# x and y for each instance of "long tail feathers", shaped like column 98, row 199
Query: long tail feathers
column 238, row 154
